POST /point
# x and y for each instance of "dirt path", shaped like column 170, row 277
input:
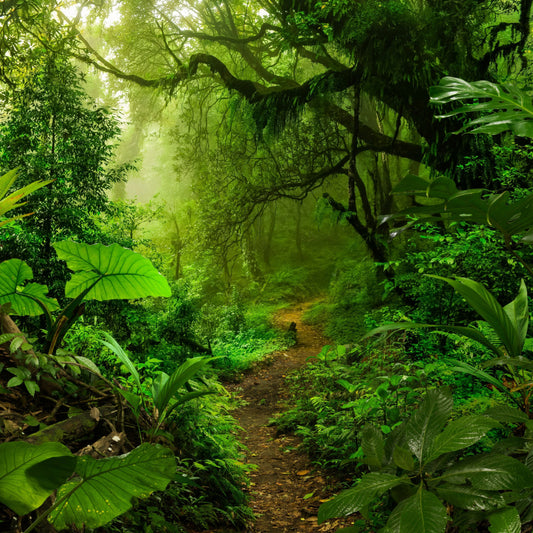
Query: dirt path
column 285, row 490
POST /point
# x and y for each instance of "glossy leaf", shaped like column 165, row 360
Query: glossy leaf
column 373, row 445
column 14, row 273
column 460, row 434
column 506, row 413
column 470, row 498
column 23, row 492
column 505, row 521
column 491, row 472
column 352, row 500
column 427, row 422
column 423, row 513
column 109, row 272
column 105, row 487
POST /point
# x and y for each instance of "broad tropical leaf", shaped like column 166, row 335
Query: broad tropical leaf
column 507, row 107
column 13, row 275
column 469, row 498
column 22, row 492
column 105, row 487
column 484, row 303
column 491, row 472
column 427, row 422
column 460, row 434
column 518, row 313
column 373, row 445
column 109, row 272
column 505, row 413
column 423, row 513
column 352, row 500
column 505, row 521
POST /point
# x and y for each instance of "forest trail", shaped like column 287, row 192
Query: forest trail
column 286, row 490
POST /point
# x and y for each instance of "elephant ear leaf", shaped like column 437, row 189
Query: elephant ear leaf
column 23, row 299
column 105, row 487
column 109, row 272
column 29, row 473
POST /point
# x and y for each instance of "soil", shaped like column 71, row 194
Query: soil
column 286, row 490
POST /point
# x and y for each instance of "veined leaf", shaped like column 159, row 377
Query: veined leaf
column 22, row 492
column 165, row 387
column 505, row 521
column 373, row 445
column 469, row 498
column 491, row 472
column 109, row 272
column 427, row 422
column 460, row 434
column 484, row 303
column 115, row 347
column 106, row 487
column 423, row 513
column 352, row 500
column 13, row 274
column 508, row 108
column 505, row 413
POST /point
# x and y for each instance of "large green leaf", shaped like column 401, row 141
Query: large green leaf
column 352, row 500
column 507, row 108
column 105, row 487
column 505, row 521
column 373, row 445
column 484, row 303
column 506, row 413
column 423, row 513
column 13, row 274
column 491, row 472
column 469, row 498
column 518, row 313
column 427, row 422
column 22, row 492
column 109, row 272
column 460, row 434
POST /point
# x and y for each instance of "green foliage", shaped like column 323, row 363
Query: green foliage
column 507, row 107
column 413, row 462
column 165, row 392
column 12, row 201
column 52, row 130
column 90, row 497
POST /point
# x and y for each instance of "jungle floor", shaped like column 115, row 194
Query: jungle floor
column 286, row 490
